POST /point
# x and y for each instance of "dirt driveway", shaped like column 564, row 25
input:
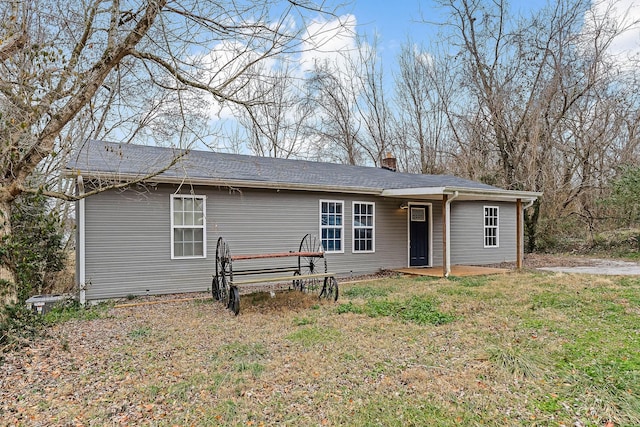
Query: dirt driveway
column 583, row 265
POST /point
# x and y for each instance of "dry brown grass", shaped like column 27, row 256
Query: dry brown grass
column 292, row 360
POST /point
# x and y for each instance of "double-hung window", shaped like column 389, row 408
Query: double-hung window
column 188, row 226
column 363, row 227
column 491, row 227
column 331, row 225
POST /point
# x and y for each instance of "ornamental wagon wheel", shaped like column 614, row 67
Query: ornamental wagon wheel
column 224, row 271
column 234, row 300
column 215, row 289
column 313, row 263
column 330, row 289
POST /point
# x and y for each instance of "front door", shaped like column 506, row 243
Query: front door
column 418, row 235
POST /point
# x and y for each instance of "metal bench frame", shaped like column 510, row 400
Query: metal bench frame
column 309, row 275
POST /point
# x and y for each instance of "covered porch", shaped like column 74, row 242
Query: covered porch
column 441, row 198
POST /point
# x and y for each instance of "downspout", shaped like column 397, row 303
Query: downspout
column 80, row 250
column 447, row 261
column 528, row 205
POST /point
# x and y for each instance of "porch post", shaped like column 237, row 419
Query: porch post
column 445, row 260
column 519, row 234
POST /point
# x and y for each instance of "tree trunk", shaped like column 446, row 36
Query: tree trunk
column 531, row 225
column 8, row 290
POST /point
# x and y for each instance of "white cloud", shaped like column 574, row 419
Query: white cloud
column 623, row 14
column 328, row 40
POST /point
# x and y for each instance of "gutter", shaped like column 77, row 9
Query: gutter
column 230, row 183
column 447, row 261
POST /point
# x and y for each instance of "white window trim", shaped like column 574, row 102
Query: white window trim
column 341, row 251
column 353, row 228
column 203, row 226
column 485, row 227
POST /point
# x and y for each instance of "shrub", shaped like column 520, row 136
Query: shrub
column 35, row 247
column 18, row 326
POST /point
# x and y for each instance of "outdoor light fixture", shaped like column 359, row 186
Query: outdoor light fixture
column 404, row 205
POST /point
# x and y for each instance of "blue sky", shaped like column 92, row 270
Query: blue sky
column 395, row 21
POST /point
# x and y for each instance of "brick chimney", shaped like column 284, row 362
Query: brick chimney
column 389, row 163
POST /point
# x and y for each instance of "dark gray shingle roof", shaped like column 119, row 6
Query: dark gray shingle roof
column 129, row 160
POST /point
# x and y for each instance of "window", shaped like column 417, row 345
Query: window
column 188, row 227
column 331, row 225
column 490, row 226
column 363, row 227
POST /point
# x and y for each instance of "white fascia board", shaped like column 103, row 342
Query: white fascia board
column 214, row 182
column 498, row 194
column 415, row 192
column 469, row 193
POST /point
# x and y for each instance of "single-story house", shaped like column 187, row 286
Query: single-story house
column 158, row 234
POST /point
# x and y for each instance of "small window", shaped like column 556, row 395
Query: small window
column 363, row 227
column 331, row 225
column 490, row 226
column 188, row 227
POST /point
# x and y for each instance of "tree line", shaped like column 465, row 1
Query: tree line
column 544, row 102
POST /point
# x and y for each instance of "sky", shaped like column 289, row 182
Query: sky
column 394, row 21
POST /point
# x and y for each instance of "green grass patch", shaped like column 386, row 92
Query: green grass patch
column 471, row 281
column 515, row 361
column 141, row 332
column 239, row 351
column 254, row 368
column 349, row 307
column 549, row 299
column 402, row 411
column 417, row 309
column 72, row 310
column 301, row 321
column 313, row 335
column 366, row 292
column 427, row 279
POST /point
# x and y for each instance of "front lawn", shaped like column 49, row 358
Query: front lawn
column 516, row 349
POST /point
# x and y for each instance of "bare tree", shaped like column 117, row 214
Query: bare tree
column 336, row 130
column 371, row 101
column 62, row 59
column 424, row 86
column 535, row 90
column 275, row 128
column 353, row 118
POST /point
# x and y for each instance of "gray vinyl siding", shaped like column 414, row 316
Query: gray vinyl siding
column 437, row 233
column 128, row 237
column 128, row 247
column 467, row 234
